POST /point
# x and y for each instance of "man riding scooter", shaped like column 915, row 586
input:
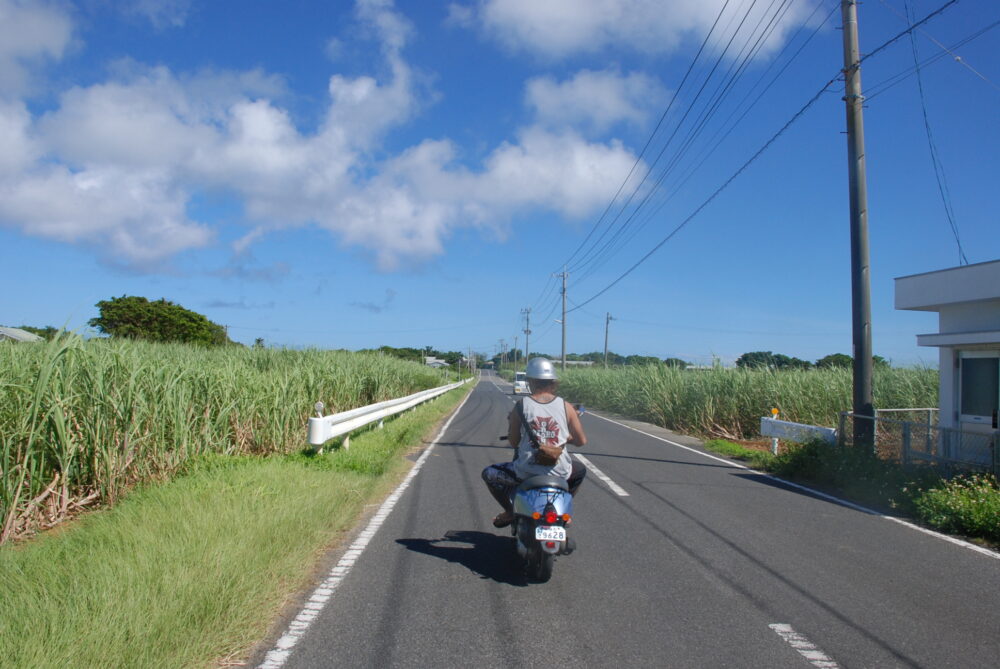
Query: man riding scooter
column 539, row 428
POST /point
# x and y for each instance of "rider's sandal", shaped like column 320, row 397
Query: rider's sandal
column 503, row 520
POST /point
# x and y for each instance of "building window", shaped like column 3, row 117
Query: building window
column 980, row 387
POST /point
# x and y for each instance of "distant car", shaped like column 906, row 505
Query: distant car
column 521, row 383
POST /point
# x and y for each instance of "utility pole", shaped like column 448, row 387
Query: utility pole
column 864, row 409
column 515, row 353
column 563, row 274
column 527, row 333
column 607, row 323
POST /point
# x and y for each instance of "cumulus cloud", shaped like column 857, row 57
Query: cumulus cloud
column 595, row 99
column 30, row 33
column 161, row 13
column 116, row 164
column 560, row 28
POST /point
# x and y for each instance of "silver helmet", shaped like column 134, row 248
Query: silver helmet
column 541, row 368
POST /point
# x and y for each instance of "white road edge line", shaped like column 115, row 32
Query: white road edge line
column 615, row 488
column 857, row 507
column 804, row 646
column 282, row 650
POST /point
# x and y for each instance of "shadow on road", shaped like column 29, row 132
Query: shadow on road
column 488, row 555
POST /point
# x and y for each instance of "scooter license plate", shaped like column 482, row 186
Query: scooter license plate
column 550, row 533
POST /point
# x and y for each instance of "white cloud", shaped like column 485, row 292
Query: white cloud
column 116, row 164
column 30, row 33
column 161, row 13
column 17, row 149
column 559, row 28
column 136, row 217
column 596, row 100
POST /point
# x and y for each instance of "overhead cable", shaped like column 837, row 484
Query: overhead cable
column 756, row 155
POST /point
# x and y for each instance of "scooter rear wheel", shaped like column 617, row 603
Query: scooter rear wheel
column 540, row 567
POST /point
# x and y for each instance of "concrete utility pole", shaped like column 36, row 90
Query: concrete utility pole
column 864, row 408
column 515, row 353
column 607, row 323
column 563, row 274
column 527, row 332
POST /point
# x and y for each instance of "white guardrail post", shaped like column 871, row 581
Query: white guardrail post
column 324, row 428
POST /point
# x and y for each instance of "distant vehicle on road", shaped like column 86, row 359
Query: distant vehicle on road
column 521, row 383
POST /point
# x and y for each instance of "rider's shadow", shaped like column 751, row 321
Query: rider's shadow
column 488, row 555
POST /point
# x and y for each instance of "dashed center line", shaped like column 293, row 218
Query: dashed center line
column 615, row 488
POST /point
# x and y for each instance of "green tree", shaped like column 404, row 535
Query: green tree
column 756, row 359
column 846, row 361
column 835, row 360
column 675, row 362
column 161, row 320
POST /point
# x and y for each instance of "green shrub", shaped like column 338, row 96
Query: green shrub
column 968, row 505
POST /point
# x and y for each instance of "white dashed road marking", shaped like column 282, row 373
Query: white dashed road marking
column 804, row 646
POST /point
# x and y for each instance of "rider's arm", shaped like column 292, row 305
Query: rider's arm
column 577, row 436
column 514, row 428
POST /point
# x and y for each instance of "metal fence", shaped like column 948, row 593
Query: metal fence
column 917, row 442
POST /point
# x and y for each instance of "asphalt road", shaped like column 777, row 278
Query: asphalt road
column 701, row 563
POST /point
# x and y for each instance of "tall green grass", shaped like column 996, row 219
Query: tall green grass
column 83, row 421
column 193, row 571
column 730, row 402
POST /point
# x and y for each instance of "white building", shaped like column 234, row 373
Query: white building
column 967, row 300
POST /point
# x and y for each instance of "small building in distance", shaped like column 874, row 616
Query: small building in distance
column 18, row 335
column 436, row 363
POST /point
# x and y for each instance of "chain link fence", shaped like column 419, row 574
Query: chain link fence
column 915, row 442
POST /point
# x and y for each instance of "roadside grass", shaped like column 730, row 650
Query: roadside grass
column 83, row 422
column 964, row 504
column 194, row 571
column 728, row 403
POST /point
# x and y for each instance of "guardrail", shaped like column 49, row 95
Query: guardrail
column 324, row 428
column 797, row 432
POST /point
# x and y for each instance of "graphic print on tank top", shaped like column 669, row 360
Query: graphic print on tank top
column 546, row 429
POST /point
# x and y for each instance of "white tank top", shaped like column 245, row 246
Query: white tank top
column 548, row 422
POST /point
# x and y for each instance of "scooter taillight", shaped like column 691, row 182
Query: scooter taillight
column 551, row 517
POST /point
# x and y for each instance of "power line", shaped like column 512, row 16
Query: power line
column 958, row 59
column 722, row 90
column 711, row 197
column 939, row 175
column 653, row 134
column 898, row 78
column 716, row 141
column 759, row 152
column 595, row 251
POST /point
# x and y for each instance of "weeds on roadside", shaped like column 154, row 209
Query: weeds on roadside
column 968, row 505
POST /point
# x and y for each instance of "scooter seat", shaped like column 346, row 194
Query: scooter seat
column 544, row 482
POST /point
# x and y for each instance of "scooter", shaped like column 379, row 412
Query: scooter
column 543, row 507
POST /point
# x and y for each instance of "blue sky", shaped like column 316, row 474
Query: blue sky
column 348, row 175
